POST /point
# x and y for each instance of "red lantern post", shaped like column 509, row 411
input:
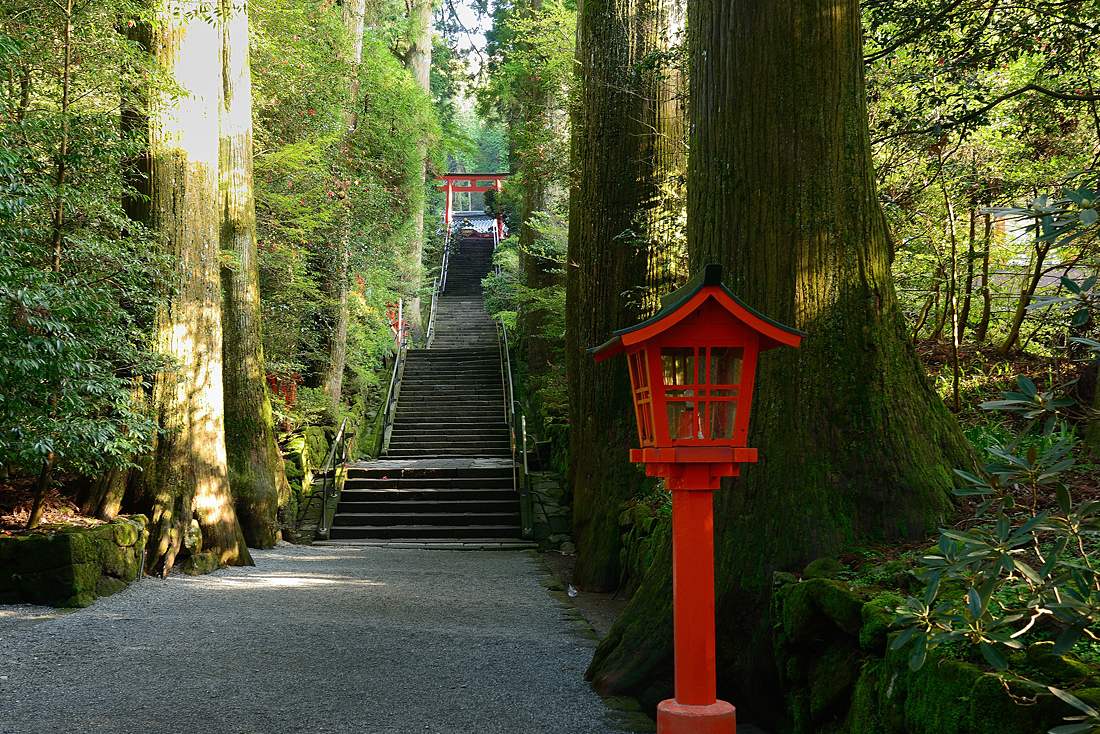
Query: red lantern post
column 691, row 369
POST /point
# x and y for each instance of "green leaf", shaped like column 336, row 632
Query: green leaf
column 903, row 638
column 1062, row 494
column 1027, row 386
column 920, row 652
column 931, row 589
column 974, row 604
column 1081, row 728
column 1088, row 217
column 993, row 656
column 1069, row 638
column 1073, row 701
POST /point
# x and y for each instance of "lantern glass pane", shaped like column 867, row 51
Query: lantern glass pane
column 678, row 364
column 683, row 420
column 722, row 416
column 725, row 365
column 643, row 403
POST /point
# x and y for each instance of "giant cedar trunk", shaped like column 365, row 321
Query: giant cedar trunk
column 256, row 473
column 190, row 467
column 854, row 445
column 605, row 262
column 664, row 150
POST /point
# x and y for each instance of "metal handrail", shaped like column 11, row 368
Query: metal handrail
column 328, row 467
column 394, row 391
column 438, row 286
column 506, row 378
column 522, row 484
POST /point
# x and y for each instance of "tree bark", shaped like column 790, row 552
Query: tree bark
column 606, row 261
column 971, row 255
column 1032, row 282
column 665, row 149
column 418, row 60
column 854, row 444
column 190, row 474
column 255, row 465
column 982, row 330
column 335, row 281
column 105, row 495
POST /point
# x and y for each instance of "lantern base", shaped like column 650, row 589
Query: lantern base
column 678, row 718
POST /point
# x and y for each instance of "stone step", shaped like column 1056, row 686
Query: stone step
column 428, row 489
column 443, row 472
column 453, row 518
column 485, row 533
column 401, row 453
column 434, row 447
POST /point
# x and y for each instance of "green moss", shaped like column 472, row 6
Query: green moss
column 831, row 677
column 823, row 568
column 1061, row 668
column 804, row 605
column 9, row 548
column 938, row 700
column 877, row 621
column 42, row 552
column 59, row 586
column 865, row 715
column 201, row 563
column 992, row 710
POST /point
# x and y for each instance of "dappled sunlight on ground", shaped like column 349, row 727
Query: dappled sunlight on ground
column 290, row 581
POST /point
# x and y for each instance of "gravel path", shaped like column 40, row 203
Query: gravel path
column 365, row 640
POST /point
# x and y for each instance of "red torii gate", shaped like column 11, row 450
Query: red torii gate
column 449, row 184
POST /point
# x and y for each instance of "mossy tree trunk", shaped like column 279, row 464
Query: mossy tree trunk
column 854, row 444
column 605, row 262
column 190, row 475
column 256, row 473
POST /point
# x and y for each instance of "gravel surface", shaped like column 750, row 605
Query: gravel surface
column 365, row 640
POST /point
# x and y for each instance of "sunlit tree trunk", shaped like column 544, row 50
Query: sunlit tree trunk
column 418, row 60
column 190, row 474
column 854, row 444
column 335, row 280
column 664, row 149
column 256, row 473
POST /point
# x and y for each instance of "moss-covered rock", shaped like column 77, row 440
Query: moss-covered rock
column 877, row 619
column 808, row 607
column 1060, row 668
column 44, row 552
column 823, row 568
column 67, row 586
column 201, row 563
column 73, row 566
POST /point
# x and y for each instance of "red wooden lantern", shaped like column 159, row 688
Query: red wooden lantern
column 691, row 370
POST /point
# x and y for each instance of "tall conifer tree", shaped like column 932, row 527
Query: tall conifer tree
column 854, row 443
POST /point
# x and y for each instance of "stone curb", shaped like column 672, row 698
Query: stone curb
column 623, row 712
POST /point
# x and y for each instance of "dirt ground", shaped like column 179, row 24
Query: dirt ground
column 599, row 609
column 17, row 496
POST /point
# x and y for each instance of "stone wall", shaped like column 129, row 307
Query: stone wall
column 838, row 674
column 551, row 515
column 74, row 566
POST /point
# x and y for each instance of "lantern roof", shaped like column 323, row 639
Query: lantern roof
column 675, row 306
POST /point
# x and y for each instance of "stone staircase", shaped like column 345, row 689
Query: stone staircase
column 446, row 480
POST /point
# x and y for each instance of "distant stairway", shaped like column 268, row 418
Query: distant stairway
column 446, row 480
